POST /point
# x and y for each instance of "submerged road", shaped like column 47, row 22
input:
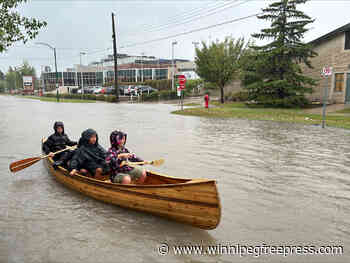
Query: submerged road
column 279, row 184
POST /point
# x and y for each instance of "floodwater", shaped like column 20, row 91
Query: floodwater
column 279, row 184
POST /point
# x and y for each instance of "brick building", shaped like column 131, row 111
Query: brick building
column 333, row 50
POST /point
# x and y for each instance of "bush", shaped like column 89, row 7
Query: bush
column 163, row 95
column 287, row 102
column 111, row 98
column 238, row 96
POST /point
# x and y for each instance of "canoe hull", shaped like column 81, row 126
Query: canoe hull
column 194, row 202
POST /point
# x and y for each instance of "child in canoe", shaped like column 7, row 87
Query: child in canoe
column 90, row 156
column 58, row 141
column 117, row 153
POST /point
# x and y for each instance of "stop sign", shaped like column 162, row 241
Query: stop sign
column 182, row 80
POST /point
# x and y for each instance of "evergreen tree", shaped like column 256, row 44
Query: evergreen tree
column 275, row 77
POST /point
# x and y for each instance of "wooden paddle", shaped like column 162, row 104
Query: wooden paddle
column 154, row 163
column 20, row 165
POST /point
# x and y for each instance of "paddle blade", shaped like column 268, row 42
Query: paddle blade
column 20, row 165
column 157, row 162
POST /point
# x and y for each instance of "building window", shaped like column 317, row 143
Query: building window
column 347, row 40
column 339, row 82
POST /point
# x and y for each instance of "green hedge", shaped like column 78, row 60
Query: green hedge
column 238, row 96
column 163, row 95
column 77, row 96
column 288, row 102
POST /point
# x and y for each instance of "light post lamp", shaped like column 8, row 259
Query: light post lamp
column 56, row 79
column 195, row 47
column 81, row 74
column 172, row 62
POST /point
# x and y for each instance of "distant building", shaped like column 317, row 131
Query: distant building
column 130, row 69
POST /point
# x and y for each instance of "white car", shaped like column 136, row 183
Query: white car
column 98, row 90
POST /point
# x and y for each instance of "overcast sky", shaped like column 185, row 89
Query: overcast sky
column 75, row 26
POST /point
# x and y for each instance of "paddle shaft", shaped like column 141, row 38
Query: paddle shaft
column 20, row 165
column 155, row 162
column 65, row 149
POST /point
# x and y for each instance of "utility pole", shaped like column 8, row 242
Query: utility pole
column 115, row 61
column 173, row 68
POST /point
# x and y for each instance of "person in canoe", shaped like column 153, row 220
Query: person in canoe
column 58, row 141
column 89, row 158
column 117, row 153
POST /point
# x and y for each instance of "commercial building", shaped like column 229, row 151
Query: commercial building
column 130, row 69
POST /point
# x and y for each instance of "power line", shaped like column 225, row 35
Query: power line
column 179, row 18
column 212, row 13
column 190, row 32
column 196, row 17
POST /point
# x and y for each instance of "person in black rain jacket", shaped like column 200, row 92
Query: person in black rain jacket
column 90, row 156
column 58, row 141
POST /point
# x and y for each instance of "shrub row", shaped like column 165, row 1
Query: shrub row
column 162, row 95
column 109, row 98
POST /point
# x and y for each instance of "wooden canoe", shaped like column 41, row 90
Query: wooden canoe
column 191, row 201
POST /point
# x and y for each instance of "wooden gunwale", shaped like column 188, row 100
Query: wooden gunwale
column 151, row 196
column 189, row 208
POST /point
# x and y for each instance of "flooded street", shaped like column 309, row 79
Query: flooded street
column 279, row 184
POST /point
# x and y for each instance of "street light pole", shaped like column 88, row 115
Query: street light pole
column 173, row 68
column 115, row 54
column 81, row 74
column 57, row 95
column 56, row 79
column 142, row 66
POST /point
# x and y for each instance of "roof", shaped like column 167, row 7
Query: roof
column 331, row 34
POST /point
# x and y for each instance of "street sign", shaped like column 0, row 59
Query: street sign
column 181, row 81
column 327, row 71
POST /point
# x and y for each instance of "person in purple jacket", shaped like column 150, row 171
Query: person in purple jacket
column 116, row 154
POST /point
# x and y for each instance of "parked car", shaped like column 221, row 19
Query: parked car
column 122, row 89
column 111, row 90
column 130, row 90
column 145, row 89
column 99, row 90
column 89, row 90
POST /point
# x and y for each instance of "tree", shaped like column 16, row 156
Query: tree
column 219, row 62
column 274, row 76
column 2, row 75
column 14, row 77
column 14, row 27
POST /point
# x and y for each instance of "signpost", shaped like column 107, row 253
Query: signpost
column 28, row 85
column 180, row 86
column 326, row 72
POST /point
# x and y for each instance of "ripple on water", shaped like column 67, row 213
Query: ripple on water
column 279, row 183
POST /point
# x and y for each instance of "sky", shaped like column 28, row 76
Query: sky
column 76, row 26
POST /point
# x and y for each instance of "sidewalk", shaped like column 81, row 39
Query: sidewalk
column 330, row 109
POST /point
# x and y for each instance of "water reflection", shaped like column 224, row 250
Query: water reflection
column 279, row 183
